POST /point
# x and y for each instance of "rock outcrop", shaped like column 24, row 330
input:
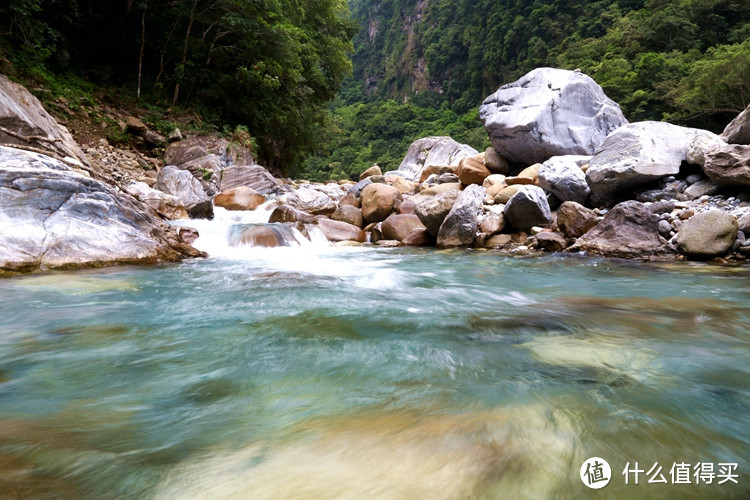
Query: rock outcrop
column 54, row 217
column 549, row 112
column 432, row 151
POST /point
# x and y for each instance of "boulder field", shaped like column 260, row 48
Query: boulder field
column 566, row 172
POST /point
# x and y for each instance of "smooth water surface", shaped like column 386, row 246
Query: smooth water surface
column 314, row 372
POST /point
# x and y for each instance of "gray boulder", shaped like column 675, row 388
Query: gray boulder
column 24, row 122
column 187, row 189
column 528, row 208
column 432, row 151
column 460, row 225
column 637, row 154
column 432, row 210
column 54, row 217
column 549, row 112
column 629, row 231
column 728, row 165
column 707, row 234
column 310, row 200
column 563, row 177
column 738, row 130
column 166, row 205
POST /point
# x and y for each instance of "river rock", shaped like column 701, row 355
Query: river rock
column 356, row 190
column 432, row 151
column 239, row 198
column 432, row 210
column 286, row 213
column 335, row 230
column 701, row 188
column 628, row 230
column 707, row 234
column 471, row 170
column 460, row 225
column 310, row 200
column 528, row 208
column 549, row 112
column 563, row 177
column 507, row 193
column 252, row 176
column 25, row 122
column 738, row 130
column 550, row 242
column 187, row 189
column 168, row 206
column 399, row 227
column 54, row 217
column 637, row 154
column 492, row 223
column 575, row 220
column 374, row 170
column 349, row 214
column 495, row 163
column 702, row 142
column 378, row 201
column 728, row 165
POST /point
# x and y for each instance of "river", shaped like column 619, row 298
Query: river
column 343, row 372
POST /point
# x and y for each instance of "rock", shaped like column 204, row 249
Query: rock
column 550, row 242
column 738, row 130
column 252, row 176
column 168, row 206
column 341, row 231
column 743, row 223
column 701, row 188
column 378, row 201
column 702, row 142
column 188, row 235
column 495, row 163
column 349, row 199
column 419, row 238
column 54, row 217
column 471, row 170
column 450, row 178
column 404, row 186
column 519, row 181
column 330, row 189
column 665, row 228
column 25, row 122
column 728, row 165
column 492, row 223
column 349, row 214
column 154, row 138
column 636, row 154
column 707, row 234
column 432, row 151
column 356, row 190
column 629, row 230
column 498, row 241
column 528, row 208
column 563, row 177
column 399, row 227
column 135, row 124
column 494, row 184
column 549, row 112
column 286, row 213
column 575, row 220
column 239, row 198
column 310, row 200
column 531, row 173
column 175, row 135
column 506, row 194
column 440, row 188
column 193, row 148
column 374, row 170
column 432, row 210
column 187, row 189
column 407, row 207
column 460, row 225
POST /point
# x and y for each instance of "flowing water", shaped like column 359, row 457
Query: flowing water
column 311, row 372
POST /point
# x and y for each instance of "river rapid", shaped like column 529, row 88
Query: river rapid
column 326, row 372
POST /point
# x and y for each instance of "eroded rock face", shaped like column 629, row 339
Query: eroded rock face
column 738, row 130
column 187, row 189
column 53, row 217
column 528, row 208
column 549, row 112
column 429, row 151
column 629, row 231
column 707, row 234
column 24, row 121
column 637, row 154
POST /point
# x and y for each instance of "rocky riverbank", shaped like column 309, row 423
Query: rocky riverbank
column 566, row 172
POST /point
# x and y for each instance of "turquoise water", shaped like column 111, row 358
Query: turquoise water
column 316, row 372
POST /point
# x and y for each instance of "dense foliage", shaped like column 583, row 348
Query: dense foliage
column 270, row 65
column 687, row 61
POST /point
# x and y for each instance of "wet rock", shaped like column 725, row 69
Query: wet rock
column 498, row 241
column 378, row 201
column 728, row 165
column 349, row 214
column 707, row 234
column 563, row 177
column 419, row 238
column 738, row 130
column 286, row 213
column 399, row 227
column 239, row 198
column 432, row 210
column 527, row 208
column 575, row 220
column 432, row 151
column 341, row 231
column 629, row 230
column 166, row 205
column 549, row 112
column 460, row 225
column 187, row 189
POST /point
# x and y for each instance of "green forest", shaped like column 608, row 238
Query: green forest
column 327, row 88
